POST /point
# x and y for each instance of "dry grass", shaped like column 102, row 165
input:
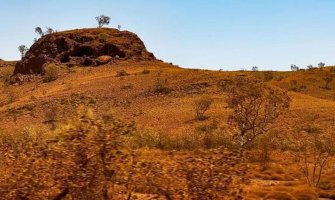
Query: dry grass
column 165, row 121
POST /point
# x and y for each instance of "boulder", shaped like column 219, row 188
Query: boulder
column 104, row 59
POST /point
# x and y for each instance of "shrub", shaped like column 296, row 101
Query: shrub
column 206, row 136
column 294, row 86
column 268, row 76
column 254, row 108
column 103, row 37
column 313, row 152
column 279, row 78
column 51, row 73
column 146, row 71
column 161, row 87
column 201, row 106
column 11, row 94
column 77, row 158
column 51, row 115
column 327, row 79
column 262, row 150
column 121, row 73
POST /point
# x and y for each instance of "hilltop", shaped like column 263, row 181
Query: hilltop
column 84, row 47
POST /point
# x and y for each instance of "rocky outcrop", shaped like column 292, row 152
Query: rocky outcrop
column 84, row 47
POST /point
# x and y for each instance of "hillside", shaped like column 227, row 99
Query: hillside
column 159, row 98
column 133, row 97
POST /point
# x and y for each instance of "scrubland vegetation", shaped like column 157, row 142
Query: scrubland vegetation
column 97, row 116
column 154, row 134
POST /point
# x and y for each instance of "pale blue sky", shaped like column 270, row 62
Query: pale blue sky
column 214, row 34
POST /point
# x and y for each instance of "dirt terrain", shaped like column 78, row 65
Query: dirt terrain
column 173, row 158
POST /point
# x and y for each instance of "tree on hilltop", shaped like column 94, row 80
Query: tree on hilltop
column 39, row 31
column 102, row 20
column 23, row 50
column 321, row 65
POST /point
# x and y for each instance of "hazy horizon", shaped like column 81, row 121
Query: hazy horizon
column 226, row 34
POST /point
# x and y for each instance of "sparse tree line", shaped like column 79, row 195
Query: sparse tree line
column 321, row 65
column 294, row 67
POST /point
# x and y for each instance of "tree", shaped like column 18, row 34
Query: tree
column 119, row 27
column 201, row 106
column 102, row 20
column 23, row 50
column 39, row 31
column 321, row 65
column 310, row 67
column 255, row 68
column 254, row 108
column 49, row 31
column 294, row 67
column 314, row 148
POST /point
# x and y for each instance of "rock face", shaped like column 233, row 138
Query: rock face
column 84, row 47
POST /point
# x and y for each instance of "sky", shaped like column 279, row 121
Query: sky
column 209, row 34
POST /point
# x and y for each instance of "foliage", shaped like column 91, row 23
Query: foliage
column 313, row 151
column 23, row 50
column 268, row 75
column 328, row 79
column 201, row 106
column 75, row 161
column 51, row 72
column 294, row 67
column 310, row 67
column 321, row 65
column 206, row 136
column 146, row 71
column 39, row 31
column 160, row 86
column 122, row 73
column 254, row 108
column 102, row 20
column 296, row 87
column 254, row 68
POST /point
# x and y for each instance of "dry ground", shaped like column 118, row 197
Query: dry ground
column 180, row 174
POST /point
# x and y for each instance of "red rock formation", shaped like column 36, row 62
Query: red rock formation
column 84, row 47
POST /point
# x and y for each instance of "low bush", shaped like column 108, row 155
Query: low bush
column 160, row 86
column 201, row 106
column 146, row 71
column 121, row 73
column 51, row 73
column 206, row 136
column 268, row 76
